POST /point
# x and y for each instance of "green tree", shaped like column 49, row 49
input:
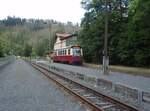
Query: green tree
column 129, row 31
column 27, row 50
column 139, row 32
column 1, row 50
column 93, row 27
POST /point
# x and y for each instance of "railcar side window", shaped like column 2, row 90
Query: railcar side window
column 65, row 52
column 68, row 51
column 59, row 52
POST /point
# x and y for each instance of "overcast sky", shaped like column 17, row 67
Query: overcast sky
column 60, row 10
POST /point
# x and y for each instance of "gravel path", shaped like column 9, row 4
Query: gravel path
column 22, row 88
column 134, row 81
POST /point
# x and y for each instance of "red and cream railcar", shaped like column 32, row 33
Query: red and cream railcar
column 70, row 55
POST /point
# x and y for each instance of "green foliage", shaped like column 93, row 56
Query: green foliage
column 1, row 50
column 139, row 32
column 42, row 47
column 27, row 50
column 30, row 37
column 129, row 36
column 90, row 38
column 12, row 21
column 33, row 53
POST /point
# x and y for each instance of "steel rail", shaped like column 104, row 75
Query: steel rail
column 86, row 101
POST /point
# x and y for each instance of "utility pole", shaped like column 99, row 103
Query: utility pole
column 105, row 56
column 50, row 27
column 49, row 37
column 11, row 41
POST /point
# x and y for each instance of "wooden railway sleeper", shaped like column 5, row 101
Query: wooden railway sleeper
column 113, row 104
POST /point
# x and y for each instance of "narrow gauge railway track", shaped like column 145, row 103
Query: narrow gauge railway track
column 89, row 97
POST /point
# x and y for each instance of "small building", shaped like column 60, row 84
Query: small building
column 66, row 49
column 65, row 40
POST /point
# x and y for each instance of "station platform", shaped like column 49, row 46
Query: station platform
column 134, row 81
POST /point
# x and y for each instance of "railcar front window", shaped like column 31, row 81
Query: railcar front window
column 76, row 52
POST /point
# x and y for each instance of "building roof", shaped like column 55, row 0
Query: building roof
column 63, row 36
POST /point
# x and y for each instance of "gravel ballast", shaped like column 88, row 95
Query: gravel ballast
column 22, row 88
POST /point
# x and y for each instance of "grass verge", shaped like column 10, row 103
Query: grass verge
column 123, row 69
